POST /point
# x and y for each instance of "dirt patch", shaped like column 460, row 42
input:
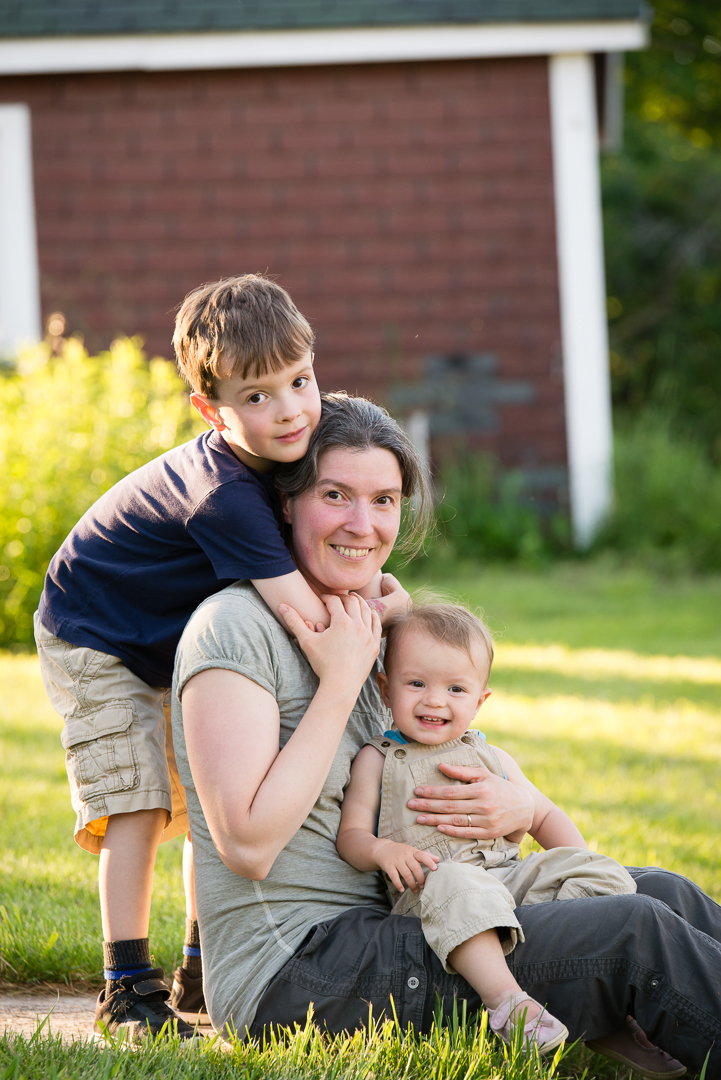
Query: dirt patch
column 69, row 1015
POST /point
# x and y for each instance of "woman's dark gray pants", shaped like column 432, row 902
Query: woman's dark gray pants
column 655, row 955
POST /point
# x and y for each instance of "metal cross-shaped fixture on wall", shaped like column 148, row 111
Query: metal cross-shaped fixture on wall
column 460, row 393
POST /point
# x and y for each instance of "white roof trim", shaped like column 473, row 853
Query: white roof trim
column 281, row 48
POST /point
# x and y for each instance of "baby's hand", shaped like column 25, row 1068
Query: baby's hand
column 401, row 861
column 393, row 598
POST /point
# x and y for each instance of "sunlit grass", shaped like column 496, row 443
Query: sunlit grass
column 461, row 1050
column 623, row 735
column 615, row 662
column 55, row 933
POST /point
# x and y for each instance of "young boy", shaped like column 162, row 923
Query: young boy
column 121, row 588
column 437, row 662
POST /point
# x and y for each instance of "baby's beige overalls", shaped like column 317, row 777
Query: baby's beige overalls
column 477, row 883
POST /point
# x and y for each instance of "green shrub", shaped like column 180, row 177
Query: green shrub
column 668, row 496
column 71, row 426
column 487, row 513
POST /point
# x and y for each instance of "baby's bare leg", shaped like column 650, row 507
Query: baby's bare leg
column 481, row 962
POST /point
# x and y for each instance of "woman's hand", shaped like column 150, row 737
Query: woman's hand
column 393, row 598
column 496, row 807
column 346, row 650
column 402, row 862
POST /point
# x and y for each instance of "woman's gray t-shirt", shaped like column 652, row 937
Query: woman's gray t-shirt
column 249, row 929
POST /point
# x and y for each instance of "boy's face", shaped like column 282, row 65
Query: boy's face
column 265, row 418
column 433, row 689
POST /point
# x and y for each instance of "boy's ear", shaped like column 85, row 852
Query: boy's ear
column 382, row 680
column 284, row 507
column 208, row 410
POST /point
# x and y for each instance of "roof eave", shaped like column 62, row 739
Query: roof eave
column 287, row 48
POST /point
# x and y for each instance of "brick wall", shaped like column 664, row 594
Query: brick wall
column 408, row 209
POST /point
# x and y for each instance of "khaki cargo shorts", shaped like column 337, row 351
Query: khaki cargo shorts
column 117, row 736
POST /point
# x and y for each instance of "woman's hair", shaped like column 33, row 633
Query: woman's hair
column 354, row 423
column 450, row 623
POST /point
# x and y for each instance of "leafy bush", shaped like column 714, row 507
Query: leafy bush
column 667, row 510
column 668, row 497
column 70, row 427
column 487, row 513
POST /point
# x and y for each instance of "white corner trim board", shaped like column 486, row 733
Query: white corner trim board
column 279, row 48
column 19, row 289
column 582, row 291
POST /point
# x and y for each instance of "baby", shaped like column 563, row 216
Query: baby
column 437, row 663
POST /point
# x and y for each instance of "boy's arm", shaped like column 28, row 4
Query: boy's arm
column 356, row 841
column 293, row 590
column 385, row 594
column 551, row 827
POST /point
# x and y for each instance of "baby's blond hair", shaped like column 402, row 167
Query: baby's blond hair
column 450, row 623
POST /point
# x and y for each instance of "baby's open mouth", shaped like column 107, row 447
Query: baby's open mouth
column 432, row 720
column 350, row 553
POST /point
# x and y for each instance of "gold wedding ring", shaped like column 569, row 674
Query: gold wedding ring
column 470, row 823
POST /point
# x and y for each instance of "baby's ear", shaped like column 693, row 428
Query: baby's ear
column 382, row 680
column 484, row 694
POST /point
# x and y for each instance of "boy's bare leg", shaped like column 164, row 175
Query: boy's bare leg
column 125, row 875
column 187, row 993
column 189, row 879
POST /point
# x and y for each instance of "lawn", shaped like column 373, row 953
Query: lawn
column 607, row 689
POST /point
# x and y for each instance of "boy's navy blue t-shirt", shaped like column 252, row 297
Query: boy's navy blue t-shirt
column 135, row 567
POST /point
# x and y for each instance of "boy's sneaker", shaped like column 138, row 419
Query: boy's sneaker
column 187, row 993
column 543, row 1031
column 137, row 1011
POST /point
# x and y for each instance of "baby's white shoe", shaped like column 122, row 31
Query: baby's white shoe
column 543, row 1031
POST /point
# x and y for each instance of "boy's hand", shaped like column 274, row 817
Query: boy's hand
column 401, row 861
column 393, row 598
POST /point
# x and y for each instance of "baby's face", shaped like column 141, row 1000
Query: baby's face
column 434, row 690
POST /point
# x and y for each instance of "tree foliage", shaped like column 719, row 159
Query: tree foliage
column 662, row 211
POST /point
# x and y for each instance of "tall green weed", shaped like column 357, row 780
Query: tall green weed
column 71, row 426
column 485, row 512
column 668, row 497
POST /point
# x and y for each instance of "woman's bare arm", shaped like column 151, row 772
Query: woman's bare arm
column 254, row 797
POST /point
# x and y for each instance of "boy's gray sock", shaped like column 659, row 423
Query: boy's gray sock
column 125, row 958
column 192, row 962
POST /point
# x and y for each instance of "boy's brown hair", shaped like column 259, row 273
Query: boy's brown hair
column 243, row 326
column 450, row 623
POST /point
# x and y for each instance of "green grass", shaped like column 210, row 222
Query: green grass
column 460, row 1050
column 49, row 914
column 607, row 689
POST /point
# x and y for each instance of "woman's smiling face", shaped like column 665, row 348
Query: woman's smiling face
column 344, row 527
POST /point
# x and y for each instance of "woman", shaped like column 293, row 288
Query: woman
column 284, row 921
